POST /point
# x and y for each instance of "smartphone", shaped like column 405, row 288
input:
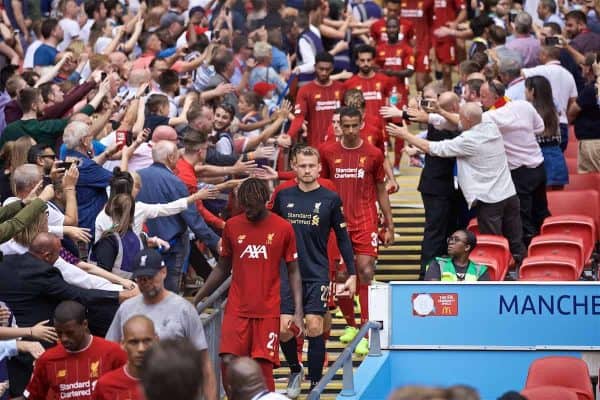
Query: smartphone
column 124, row 138
column 216, row 35
column 103, row 75
column 405, row 115
column 66, row 164
column 512, row 16
column 227, row 10
column 551, row 41
column 425, row 103
column 47, row 180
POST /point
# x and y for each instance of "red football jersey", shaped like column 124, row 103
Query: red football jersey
column 397, row 57
column 316, row 104
column 355, row 173
column 73, row 375
column 445, row 11
column 118, row 385
column 379, row 34
column 373, row 135
column 420, row 13
column 256, row 249
column 376, row 90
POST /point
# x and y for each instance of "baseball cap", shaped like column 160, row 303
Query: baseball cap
column 147, row 263
column 262, row 88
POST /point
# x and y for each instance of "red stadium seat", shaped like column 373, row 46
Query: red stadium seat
column 576, row 202
column 572, row 150
column 495, row 273
column 473, row 226
column 584, row 182
column 549, row 393
column 540, row 268
column 568, row 372
column 574, row 226
column 567, row 246
column 495, row 247
column 572, row 166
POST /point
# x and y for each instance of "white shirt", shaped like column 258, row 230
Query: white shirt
column 441, row 123
column 28, row 62
column 142, row 213
column 516, row 89
column 483, row 172
column 562, row 82
column 518, row 122
column 84, row 33
column 71, row 29
column 72, row 274
column 307, row 52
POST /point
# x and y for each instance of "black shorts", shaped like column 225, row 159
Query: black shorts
column 315, row 296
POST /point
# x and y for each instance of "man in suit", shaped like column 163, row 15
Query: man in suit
column 32, row 288
column 161, row 185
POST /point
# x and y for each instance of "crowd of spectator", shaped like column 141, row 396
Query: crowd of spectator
column 141, row 140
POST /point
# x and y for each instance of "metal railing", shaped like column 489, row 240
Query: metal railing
column 211, row 322
column 345, row 361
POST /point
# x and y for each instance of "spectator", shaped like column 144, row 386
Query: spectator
column 562, row 82
column 499, row 51
column 43, row 155
column 520, row 124
column 263, row 72
column 244, row 380
column 565, row 58
column 224, row 69
column 582, row 39
column 457, row 266
column 546, row 11
column 85, row 357
column 483, row 174
column 138, row 336
column 18, row 215
column 310, row 43
column 161, row 185
column 93, row 179
column 53, row 34
column 224, row 115
column 539, row 94
column 524, row 42
column 69, row 24
column 509, row 72
column 584, row 114
column 173, row 316
column 169, row 370
column 95, row 11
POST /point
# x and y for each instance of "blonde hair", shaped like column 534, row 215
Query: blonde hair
column 39, row 225
column 121, row 210
column 18, row 155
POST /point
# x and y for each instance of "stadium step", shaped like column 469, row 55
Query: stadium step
column 396, row 263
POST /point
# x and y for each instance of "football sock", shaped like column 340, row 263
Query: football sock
column 316, row 357
column 267, row 371
column 346, row 305
column 290, row 352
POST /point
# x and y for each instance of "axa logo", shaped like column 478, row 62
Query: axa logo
column 255, row 251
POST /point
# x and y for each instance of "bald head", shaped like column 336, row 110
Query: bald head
column 470, row 115
column 138, row 323
column 139, row 76
column 449, row 101
column 243, row 379
column 45, row 246
column 164, row 132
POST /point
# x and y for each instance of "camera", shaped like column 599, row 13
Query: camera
column 551, row 41
column 425, row 103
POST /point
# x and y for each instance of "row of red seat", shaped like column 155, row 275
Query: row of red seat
column 558, row 377
column 562, row 250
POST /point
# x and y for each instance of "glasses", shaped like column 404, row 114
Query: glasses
column 52, row 156
column 454, row 239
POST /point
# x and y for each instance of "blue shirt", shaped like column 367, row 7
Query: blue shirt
column 98, row 149
column 44, row 55
column 91, row 189
column 279, row 61
column 161, row 185
column 266, row 74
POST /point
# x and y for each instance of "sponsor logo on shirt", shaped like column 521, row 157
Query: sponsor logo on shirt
column 75, row 390
column 338, row 161
column 372, row 95
column 411, row 13
column 363, row 159
column 393, row 61
column 317, row 207
column 254, row 252
column 349, row 173
column 241, row 238
column 270, row 237
column 94, row 369
column 440, row 4
column 61, row 373
column 327, row 105
column 290, row 205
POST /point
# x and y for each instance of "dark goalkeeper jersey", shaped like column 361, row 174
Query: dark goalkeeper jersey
column 313, row 214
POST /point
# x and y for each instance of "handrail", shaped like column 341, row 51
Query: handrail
column 345, row 360
column 216, row 295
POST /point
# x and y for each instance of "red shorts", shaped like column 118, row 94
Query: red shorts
column 445, row 52
column 250, row 337
column 365, row 242
column 422, row 61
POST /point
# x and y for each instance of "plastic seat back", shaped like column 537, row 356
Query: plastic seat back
column 473, row 226
column 539, row 268
column 568, row 372
column 549, row 393
column 579, row 226
column 496, row 274
column 575, row 202
column 571, row 165
column 496, row 247
column 584, row 182
column 570, row 247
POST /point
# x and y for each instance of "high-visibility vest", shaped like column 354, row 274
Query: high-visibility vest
column 448, row 271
